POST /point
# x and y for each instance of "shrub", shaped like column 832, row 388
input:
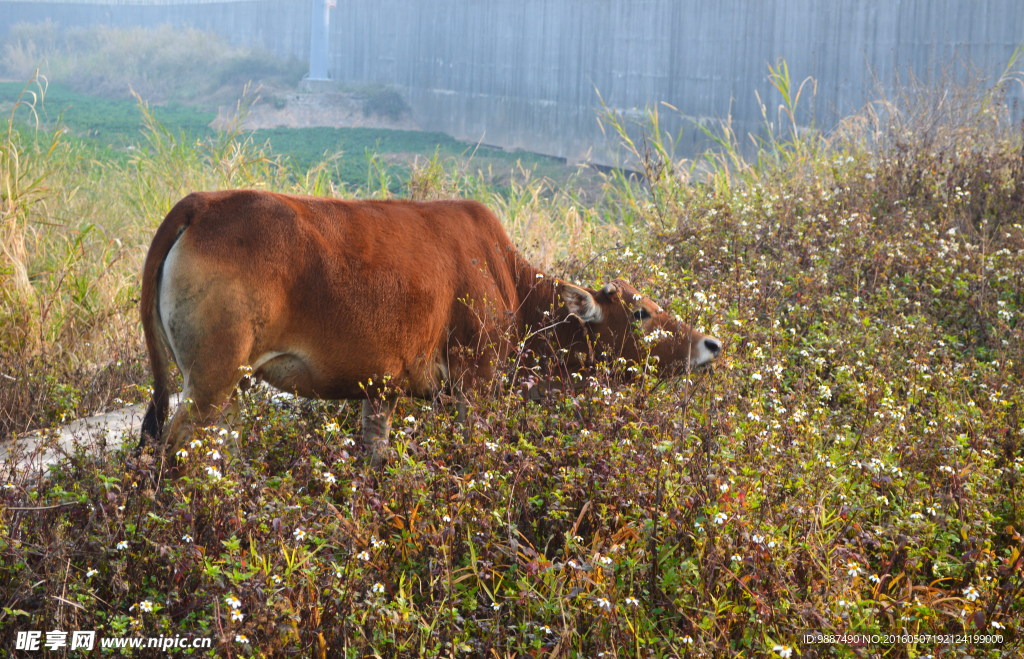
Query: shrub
column 384, row 101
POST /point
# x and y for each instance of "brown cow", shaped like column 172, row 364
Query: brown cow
column 328, row 298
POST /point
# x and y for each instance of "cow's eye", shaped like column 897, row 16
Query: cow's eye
column 641, row 314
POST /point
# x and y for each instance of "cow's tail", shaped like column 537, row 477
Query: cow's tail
column 183, row 214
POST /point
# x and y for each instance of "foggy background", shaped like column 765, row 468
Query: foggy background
column 527, row 74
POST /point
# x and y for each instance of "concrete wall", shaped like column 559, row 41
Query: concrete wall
column 526, row 73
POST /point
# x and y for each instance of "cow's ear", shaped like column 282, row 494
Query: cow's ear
column 580, row 302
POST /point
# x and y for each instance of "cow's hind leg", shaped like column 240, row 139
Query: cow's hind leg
column 209, row 395
column 208, row 318
column 200, row 408
column 462, row 412
column 377, row 427
column 233, row 417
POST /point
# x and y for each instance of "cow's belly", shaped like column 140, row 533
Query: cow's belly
column 314, row 376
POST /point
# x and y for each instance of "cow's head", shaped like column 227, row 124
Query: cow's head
column 627, row 323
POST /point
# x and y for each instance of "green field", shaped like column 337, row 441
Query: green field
column 110, row 123
column 111, row 128
column 308, row 146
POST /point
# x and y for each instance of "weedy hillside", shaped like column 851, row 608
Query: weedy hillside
column 161, row 64
column 852, row 465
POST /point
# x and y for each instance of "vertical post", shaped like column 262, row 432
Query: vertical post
column 318, row 44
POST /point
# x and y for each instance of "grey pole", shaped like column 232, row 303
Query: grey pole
column 318, row 45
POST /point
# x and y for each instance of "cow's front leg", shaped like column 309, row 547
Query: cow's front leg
column 377, row 426
column 462, row 412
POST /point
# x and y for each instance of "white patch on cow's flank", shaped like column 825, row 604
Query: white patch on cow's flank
column 168, row 303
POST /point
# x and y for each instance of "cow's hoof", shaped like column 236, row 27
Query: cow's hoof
column 378, row 452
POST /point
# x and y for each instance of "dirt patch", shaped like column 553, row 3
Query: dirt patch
column 306, row 110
